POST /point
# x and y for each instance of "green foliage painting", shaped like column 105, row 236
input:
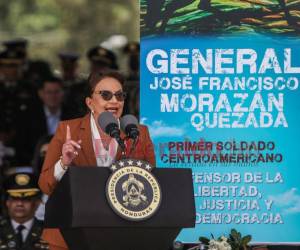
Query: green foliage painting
column 196, row 17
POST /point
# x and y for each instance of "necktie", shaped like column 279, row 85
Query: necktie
column 20, row 228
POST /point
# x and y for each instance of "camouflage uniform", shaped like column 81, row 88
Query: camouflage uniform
column 8, row 238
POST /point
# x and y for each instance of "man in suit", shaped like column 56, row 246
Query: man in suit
column 78, row 142
column 40, row 120
column 20, row 230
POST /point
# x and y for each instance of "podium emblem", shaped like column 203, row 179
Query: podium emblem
column 132, row 190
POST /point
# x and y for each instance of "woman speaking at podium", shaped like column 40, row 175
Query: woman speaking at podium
column 81, row 142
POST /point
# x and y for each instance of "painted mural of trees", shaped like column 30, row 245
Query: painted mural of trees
column 220, row 16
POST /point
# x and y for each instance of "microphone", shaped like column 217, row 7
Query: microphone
column 109, row 124
column 129, row 124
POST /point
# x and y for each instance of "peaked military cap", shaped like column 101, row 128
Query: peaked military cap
column 23, row 183
column 102, row 55
column 68, row 57
column 11, row 57
column 19, row 44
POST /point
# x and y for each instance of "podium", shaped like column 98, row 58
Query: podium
column 79, row 208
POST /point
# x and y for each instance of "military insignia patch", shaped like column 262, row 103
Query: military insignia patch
column 11, row 244
column 132, row 190
column 22, row 179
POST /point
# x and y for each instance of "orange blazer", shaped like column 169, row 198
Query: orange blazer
column 81, row 130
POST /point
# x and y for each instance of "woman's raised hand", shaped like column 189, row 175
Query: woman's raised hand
column 70, row 149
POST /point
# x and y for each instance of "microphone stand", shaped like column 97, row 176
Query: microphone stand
column 133, row 145
column 122, row 146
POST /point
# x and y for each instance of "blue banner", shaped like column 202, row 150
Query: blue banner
column 226, row 105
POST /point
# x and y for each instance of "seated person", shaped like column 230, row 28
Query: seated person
column 20, row 230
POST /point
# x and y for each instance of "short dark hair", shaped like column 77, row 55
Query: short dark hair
column 51, row 79
column 96, row 76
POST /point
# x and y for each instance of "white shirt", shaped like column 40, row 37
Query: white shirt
column 104, row 157
column 26, row 230
column 40, row 212
column 52, row 120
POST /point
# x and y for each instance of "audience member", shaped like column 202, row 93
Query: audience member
column 20, row 230
column 40, row 119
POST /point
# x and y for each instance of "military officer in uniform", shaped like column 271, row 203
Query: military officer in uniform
column 16, row 94
column 19, row 46
column 132, row 50
column 101, row 59
column 132, row 85
column 20, row 230
column 16, row 55
column 69, row 68
column 73, row 82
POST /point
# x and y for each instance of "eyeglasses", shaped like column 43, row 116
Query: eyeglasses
column 108, row 95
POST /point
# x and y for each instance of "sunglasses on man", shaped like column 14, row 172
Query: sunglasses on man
column 108, row 95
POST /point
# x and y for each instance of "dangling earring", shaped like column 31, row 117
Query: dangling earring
column 93, row 111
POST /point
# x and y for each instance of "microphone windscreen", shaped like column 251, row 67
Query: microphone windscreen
column 128, row 120
column 105, row 119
